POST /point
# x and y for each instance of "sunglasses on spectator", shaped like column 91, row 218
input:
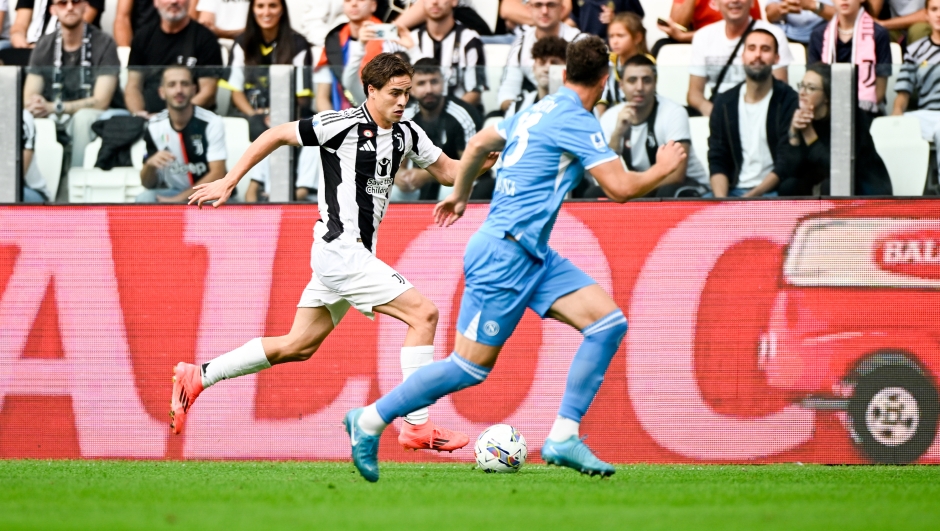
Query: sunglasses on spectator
column 538, row 6
column 808, row 88
column 63, row 3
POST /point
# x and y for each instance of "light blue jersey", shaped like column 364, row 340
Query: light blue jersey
column 548, row 147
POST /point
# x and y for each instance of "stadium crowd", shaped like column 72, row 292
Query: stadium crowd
column 768, row 135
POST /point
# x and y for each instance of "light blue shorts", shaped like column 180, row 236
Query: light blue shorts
column 503, row 279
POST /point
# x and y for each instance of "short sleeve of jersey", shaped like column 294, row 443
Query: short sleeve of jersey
column 675, row 120
column 423, row 152
column 310, row 131
column 583, row 138
column 215, row 137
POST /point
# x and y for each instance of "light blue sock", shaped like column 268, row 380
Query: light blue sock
column 601, row 341
column 429, row 383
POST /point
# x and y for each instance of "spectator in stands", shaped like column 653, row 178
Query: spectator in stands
column 636, row 127
column 717, row 50
column 35, row 18
column 73, row 76
column 455, row 47
column 749, row 122
column 185, row 143
column 176, row 40
column 626, row 38
column 546, row 52
column 4, row 25
column 853, row 35
column 225, row 18
column 518, row 76
column 803, row 161
column 315, row 19
column 512, row 15
column 919, row 80
column 268, row 39
column 593, row 16
column 799, row 17
column 688, row 16
column 34, row 186
column 344, row 45
column 907, row 18
column 131, row 17
column 448, row 121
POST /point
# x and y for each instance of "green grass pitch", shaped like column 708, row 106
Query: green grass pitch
column 229, row 496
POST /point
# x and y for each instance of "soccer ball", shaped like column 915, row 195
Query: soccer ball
column 500, row 448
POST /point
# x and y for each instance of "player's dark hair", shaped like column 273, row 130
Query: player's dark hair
column 382, row 68
column 764, row 32
column 640, row 60
column 550, row 46
column 427, row 65
column 587, row 61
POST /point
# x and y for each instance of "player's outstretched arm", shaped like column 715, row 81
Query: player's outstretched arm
column 219, row 191
column 477, row 158
column 621, row 185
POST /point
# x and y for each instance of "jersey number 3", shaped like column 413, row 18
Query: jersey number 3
column 521, row 134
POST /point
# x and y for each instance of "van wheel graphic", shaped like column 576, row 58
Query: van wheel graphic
column 894, row 414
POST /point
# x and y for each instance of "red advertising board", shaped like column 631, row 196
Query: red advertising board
column 752, row 326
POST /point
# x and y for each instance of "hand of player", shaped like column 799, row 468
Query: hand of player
column 218, row 191
column 160, row 159
column 670, row 155
column 449, row 210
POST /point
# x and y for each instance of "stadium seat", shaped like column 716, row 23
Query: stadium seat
column 698, row 126
column 48, row 154
column 798, row 51
column 654, row 9
column 496, row 58
column 897, row 55
column 904, row 151
column 236, row 142
column 488, row 11
column 673, row 71
column 137, row 154
column 119, row 185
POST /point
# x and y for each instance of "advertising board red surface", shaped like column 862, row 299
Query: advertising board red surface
column 752, row 324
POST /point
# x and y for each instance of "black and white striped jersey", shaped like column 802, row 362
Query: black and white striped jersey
column 202, row 141
column 920, row 74
column 460, row 54
column 360, row 161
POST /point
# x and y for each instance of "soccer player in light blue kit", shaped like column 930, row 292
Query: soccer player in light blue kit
column 509, row 266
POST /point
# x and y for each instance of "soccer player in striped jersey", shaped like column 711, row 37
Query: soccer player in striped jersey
column 508, row 265
column 361, row 150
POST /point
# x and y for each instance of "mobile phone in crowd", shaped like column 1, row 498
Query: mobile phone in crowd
column 663, row 22
column 385, row 32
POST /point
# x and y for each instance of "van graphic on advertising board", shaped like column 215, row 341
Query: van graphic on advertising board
column 854, row 328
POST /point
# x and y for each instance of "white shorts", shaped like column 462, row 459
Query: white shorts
column 346, row 274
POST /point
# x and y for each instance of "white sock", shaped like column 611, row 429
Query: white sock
column 563, row 429
column 412, row 359
column 370, row 421
column 246, row 359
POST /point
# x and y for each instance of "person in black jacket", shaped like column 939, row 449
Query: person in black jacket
column 748, row 122
column 803, row 160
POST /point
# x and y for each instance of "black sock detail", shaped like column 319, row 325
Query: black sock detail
column 203, row 369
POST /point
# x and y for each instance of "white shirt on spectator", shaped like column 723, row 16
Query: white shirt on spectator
column 520, row 62
column 672, row 123
column 711, row 49
column 315, row 18
column 757, row 160
column 5, row 30
column 230, row 15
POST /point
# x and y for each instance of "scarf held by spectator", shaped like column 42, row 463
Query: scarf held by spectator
column 863, row 56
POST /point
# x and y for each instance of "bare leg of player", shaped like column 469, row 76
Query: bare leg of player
column 310, row 328
column 420, row 314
